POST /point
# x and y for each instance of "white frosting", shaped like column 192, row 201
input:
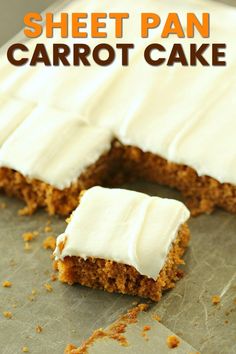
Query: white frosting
column 184, row 114
column 12, row 113
column 123, row 226
column 54, row 146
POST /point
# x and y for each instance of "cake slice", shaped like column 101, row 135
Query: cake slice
column 123, row 241
column 53, row 155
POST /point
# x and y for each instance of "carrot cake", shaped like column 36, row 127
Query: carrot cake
column 172, row 125
column 52, row 156
column 124, row 241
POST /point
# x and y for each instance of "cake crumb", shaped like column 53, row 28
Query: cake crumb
column 145, row 329
column 115, row 331
column 157, row 318
column 26, row 211
column 29, row 236
column 47, row 229
column 7, row 314
column 39, row 329
column 27, row 246
column 49, row 243
column 25, row 349
column 7, row 284
column 53, row 277
column 172, row 342
column 70, row 348
column 215, row 299
column 48, row 287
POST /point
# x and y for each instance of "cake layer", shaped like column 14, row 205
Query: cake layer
column 116, row 277
column 122, row 164
column 202, row 194
column 35, row 193
column 123, row 226
column 183, row 114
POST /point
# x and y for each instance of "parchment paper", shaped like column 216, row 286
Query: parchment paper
column 70, row 314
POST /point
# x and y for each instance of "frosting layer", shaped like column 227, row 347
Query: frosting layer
column 123, row 226
column 12, row 113
column 54, row 146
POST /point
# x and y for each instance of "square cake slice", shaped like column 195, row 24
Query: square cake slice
column 124, row 241
column 51, row 156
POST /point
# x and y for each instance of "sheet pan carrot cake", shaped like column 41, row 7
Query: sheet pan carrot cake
column 139, row 121
column 124, row 241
